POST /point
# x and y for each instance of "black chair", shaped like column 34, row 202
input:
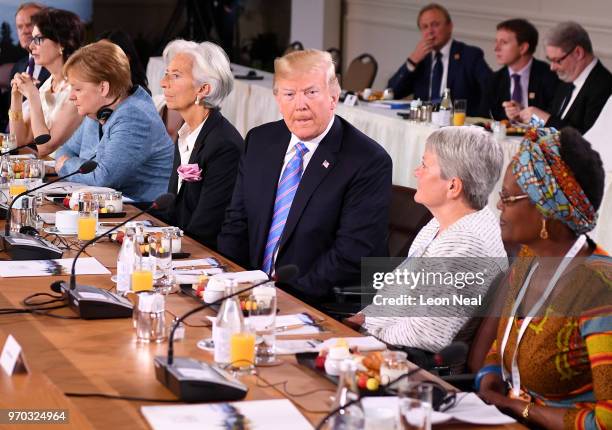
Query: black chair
column 337, row 58
column 294, row 46
column 406, row 219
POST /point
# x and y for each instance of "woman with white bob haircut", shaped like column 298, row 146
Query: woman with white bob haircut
column 458, row 171
column 197, row 80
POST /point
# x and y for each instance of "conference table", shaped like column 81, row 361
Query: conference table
column 252, row 103
column 103, row 356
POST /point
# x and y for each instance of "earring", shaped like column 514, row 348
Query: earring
column 197, row 101
column 61, row 51
column 543, row 231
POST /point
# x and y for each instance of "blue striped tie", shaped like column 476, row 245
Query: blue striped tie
column 288, row 185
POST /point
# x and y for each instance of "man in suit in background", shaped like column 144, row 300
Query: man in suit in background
column 523, row 81
column 586, row 86
column 23, row 22
column 438, row 62
column 311, row 190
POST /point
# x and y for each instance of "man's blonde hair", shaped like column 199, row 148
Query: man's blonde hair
column 305, row 61
column 102, row 61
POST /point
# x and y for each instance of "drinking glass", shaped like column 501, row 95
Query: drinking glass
column 262, row 317
column 160, row 250
column 460, row 108
column 142, row 275
column 88, row 217
column 415, row 406
column 242, row 351
column 394, row 365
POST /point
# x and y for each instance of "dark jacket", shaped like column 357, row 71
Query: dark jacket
column 468, row 77
column 200, row 206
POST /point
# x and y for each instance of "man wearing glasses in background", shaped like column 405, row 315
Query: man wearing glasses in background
column 586, row 86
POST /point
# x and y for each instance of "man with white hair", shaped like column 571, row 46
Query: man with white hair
column 587, row 83
column 311, row 190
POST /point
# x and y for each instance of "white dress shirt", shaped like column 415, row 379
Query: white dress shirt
column 445, row 51
column 186, row 142
column 524, row 74
column 578, row 84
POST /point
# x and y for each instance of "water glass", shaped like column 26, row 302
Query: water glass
column 415, row 406
column 394, row 365
column 262, row 317
column 160, row 250
column 149, row 318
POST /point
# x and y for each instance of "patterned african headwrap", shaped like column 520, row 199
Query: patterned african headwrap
column 549, row 182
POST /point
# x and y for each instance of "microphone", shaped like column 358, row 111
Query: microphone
column 198, row 388
column 85, row 168
column 42, row 139
column 113, row 305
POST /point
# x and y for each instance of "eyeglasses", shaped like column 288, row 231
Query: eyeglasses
column 559, row 60
column 511, row 199
column 38, row 40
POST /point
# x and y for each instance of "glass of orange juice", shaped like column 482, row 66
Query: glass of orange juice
column 242, row 351
column 88, row 217
column 459, row 109
column 142, row 275
column 16, row 188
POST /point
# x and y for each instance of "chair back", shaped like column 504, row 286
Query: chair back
column 360, row 73
column 294, row 46
column 337, row 58
column 5, row 75
column 406, row 219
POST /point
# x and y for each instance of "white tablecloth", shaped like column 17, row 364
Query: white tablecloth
column 252, row 103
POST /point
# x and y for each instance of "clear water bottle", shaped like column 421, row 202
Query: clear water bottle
column 446, row 109
column 229, row 321
column 125, row 261
column 351, row 415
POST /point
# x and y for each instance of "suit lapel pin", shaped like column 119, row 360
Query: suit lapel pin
column 457, row 56
column 325, row 164
column 531, row 96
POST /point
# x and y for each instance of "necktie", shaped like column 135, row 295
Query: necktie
column 517, row 92
column 436, row 77
column 287, row 187
column 568, row 96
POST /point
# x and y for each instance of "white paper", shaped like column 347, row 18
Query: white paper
column 84, row 266
column 244, row 277
column 47, row 217
column 288, row 320
column 278, row 414
column 195, row 263
column 10, row 354
column 364, row 343
column 469, row 408
column 290, row 347
column 68, row 187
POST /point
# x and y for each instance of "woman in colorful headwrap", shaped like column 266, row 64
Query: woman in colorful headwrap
column 559, row 305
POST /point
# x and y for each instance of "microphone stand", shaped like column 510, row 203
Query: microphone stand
column 118, row 307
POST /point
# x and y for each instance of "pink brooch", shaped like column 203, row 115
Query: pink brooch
column 189, row 172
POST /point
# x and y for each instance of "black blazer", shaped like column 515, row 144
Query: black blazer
column 200, row 206
column 542, row 86
column 22, row 65
column 468, row 77
column 339, row 214
column 588, row 103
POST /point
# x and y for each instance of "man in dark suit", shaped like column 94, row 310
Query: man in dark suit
column 23, row 22
column 311, row 190
column 586, row 86
column 438, row 62
column 523, row 81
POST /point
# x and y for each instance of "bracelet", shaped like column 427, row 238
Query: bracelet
column 492, row 368
column 528, row 407
column 15, row 115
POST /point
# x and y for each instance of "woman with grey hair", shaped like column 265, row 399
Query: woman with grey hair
column 459, row 168
column 208, row 147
